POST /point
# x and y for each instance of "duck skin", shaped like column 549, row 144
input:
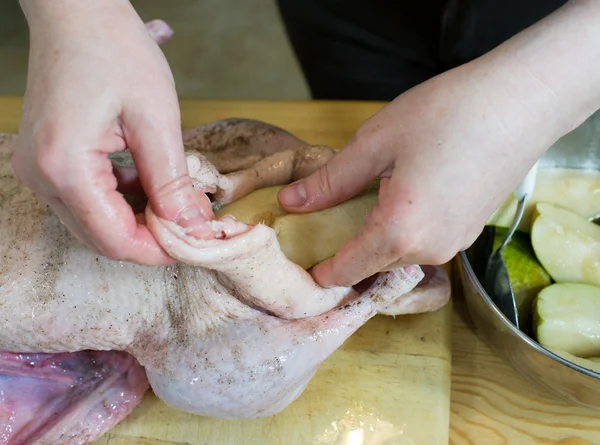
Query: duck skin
column 232, row 330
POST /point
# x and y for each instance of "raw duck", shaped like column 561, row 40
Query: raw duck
column 233, row 330
column 66, row 398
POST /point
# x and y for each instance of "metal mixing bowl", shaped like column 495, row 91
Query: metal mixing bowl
column 560, row 377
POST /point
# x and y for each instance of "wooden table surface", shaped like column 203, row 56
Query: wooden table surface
column 490, row 403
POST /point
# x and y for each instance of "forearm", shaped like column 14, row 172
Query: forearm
column 545, row 81
column 41, row 14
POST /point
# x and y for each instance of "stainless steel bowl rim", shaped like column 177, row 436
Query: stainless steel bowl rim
column 505, row 321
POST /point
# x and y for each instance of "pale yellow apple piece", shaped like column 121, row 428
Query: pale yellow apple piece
column 567, row 318
column 566, row 244
column 591, row 363
column 259, row 207
column 305, row 238
column 573, row 189
column 309, row 238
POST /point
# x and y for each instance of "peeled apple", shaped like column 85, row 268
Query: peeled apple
column 567, row 318
column 306, row 238
column 566, row 244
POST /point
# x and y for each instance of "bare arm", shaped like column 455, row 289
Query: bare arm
column 450, row 150
column 98, row 83
column 545, row 81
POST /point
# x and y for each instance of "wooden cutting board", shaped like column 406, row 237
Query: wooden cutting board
column 490, row 402
column 388, row 384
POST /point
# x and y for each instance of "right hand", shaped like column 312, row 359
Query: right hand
column 98, row 84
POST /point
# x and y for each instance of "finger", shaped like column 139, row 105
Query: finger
column 348, row 173
column 156, row 145
column 362, row 256
column 159, row 30
column 381, row 242
column 104, row 215
column 76, row 180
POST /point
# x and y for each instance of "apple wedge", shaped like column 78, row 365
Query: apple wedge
column 309, row 238
column 566, row 244
column 527, row 276
column 259, row 207
column 306, row 238
column 576, row 190
column 591, row 363
column 567, row 318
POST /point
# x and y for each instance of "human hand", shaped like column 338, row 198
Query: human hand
column 450, row 150
column 442, row 173
column 97, row 84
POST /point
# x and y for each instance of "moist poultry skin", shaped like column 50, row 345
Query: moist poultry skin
column 233, row 330
column 230, row 295
column 70, row 398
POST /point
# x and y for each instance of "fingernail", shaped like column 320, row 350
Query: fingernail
column 201, row 232
column 191, row 216
column 294, row 195
column 414, row 271
column 320, row 277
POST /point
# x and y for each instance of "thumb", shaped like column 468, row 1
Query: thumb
column 157, row 149
column 348, row 173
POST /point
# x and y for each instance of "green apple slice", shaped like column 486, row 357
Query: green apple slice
column 526, row 274
column 566, row 244
column 567, row 318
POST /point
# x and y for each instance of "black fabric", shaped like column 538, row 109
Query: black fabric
column 375, row 50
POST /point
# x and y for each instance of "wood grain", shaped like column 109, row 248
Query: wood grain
column 490, row 403
column 493, row 405
column 374, row 396
column 388, row 384
column 327, row 123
